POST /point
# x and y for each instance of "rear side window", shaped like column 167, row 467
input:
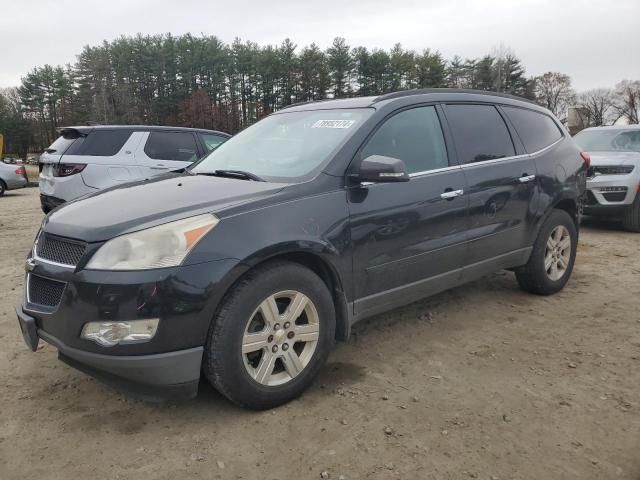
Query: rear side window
column 60, row 145
column 179, row 146
column 413, row 136
column 480, row 133
column 211, row 142
column 536, row 130
column 100, row 143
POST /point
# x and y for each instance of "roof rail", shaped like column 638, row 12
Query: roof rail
column 424, row 91
column 297, row 104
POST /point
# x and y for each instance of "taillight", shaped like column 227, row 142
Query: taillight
column 586, row 158
column 20, row 171
column 67, row 169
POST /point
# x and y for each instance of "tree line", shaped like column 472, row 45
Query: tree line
column 200, row 81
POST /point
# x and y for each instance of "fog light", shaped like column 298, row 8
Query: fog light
column 109, row 334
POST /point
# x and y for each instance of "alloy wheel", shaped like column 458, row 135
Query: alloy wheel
column 280, row 338
column 558, row 253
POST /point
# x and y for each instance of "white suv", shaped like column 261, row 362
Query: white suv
column 614, row 176
column 84, row 160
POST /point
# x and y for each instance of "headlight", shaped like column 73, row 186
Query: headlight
column 157, row 247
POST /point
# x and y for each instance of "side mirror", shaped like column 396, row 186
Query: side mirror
column 381, row 169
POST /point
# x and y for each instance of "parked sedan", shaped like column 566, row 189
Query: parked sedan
column 12, row 176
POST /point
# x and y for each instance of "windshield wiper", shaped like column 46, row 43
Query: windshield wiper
column 234, row 174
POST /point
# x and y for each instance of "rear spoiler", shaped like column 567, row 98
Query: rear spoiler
column 70, row 133
column 73, row 132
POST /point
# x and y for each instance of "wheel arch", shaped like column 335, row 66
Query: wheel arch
column 569, row 205
column 566, row 201
column 315, row 258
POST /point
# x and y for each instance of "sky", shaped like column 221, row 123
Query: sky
column 597, row 43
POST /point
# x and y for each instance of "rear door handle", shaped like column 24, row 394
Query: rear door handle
column 527, row 178
column 451, row 194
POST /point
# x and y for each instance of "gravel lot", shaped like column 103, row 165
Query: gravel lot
column 484, row 381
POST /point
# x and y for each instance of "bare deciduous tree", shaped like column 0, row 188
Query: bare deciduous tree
column 627, row 98
column 553, row 91
column 600, row 106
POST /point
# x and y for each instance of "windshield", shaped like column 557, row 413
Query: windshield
column 286, row 147
column 609, row 140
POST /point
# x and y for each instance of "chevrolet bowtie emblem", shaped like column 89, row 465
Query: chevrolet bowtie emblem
column 29, row 265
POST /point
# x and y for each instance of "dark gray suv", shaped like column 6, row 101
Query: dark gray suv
column 250, row 264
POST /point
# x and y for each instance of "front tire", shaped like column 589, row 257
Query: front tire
column 554, row 252
column 271, row 335
column 631, row 218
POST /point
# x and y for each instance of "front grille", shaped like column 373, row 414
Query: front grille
column 611, row 169
column 60, row 250
column 43, row 291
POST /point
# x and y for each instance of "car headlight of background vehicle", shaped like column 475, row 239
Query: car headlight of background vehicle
column 157, row 247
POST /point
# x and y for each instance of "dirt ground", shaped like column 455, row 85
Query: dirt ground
column 484, row 381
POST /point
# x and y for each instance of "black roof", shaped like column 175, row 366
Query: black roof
column 428, row 94
column 138, row 128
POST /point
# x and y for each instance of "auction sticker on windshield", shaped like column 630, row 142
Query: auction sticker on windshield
column 333, row 124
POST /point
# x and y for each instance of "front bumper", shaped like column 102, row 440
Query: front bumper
column 612, row 190
column 163, row 376
column 183, row 298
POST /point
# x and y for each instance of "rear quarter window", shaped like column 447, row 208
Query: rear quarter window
column 100, row 143
column 60, row 145
column 479, row 132
column 536, row 130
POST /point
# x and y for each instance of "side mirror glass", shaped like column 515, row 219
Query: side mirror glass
column 381, row 169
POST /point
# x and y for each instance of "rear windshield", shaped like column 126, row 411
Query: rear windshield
column 60, row 145
column 609, row 140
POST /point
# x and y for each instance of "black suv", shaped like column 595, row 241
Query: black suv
column 250, row 264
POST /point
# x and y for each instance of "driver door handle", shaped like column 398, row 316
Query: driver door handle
column 527, row 178
column 451, row 194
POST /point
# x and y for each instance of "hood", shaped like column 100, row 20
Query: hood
column 136, row 206
column 614, row 158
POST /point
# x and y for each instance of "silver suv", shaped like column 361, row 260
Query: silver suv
column 614, row 176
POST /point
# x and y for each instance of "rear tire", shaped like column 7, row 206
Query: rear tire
column 3, row 187
column 631, row 218
column 260, row 372
column 550, row 264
